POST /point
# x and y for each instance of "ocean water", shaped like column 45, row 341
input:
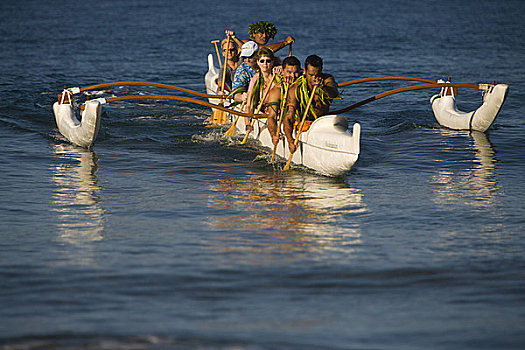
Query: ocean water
column 164, row 236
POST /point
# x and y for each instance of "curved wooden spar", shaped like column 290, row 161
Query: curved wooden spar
column 145, row 83
column 364, row 80
column 185, row 99
column 407, row 88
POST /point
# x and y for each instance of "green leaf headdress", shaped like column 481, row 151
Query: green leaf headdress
column 262, row 27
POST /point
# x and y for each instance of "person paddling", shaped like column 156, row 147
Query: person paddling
column 232, row 61
column 263, row 80
column 245, row 71
column 300, row 92
column 290, row 71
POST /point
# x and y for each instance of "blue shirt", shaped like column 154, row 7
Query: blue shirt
column 243, row 75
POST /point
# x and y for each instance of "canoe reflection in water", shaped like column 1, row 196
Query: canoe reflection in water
column 301, row 211
column 80, row 217
column 474, row 184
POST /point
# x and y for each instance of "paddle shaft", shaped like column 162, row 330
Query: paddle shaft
column 404, row 89
column 296, row 141
column 280, row 121
column 225, row 63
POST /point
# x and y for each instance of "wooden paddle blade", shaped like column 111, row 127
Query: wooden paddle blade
column 218, row 117
column 231, row 130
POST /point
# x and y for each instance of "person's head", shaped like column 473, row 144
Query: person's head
column 231, row 52
column 248, row 52
column 265, row 60
column 261, row 32
column 291, row 68
column 313, row 68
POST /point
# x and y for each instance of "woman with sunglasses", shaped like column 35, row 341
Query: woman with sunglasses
column 263, row 80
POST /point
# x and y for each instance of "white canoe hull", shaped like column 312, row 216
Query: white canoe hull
column 326, row 147
column 447, row 114
column 81, row 133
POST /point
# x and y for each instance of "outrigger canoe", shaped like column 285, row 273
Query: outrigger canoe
column 327, row 147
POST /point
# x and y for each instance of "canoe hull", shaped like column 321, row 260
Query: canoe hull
column 326, row 147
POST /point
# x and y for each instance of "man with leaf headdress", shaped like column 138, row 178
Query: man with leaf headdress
column 299, row 95
column 261, row 32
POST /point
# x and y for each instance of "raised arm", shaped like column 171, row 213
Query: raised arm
column 239, row 43
column 277, row 46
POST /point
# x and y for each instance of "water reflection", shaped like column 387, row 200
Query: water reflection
column 296, row 209
column 80, row 217
column 475, row 185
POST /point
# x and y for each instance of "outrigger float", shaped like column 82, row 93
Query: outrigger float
column 447, row 114
column 327, row 147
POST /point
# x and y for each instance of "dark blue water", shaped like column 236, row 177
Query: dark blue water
column 166, row 237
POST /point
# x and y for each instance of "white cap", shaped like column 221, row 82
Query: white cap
column 249, row 48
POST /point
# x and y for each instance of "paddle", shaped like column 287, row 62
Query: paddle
column 409, row 88
column 290, row 50
column 296, row 141
column 217, row 50
column 225, row 63
column 231, row 130
column 279, row 123
column 219, row 116
column 258, row 108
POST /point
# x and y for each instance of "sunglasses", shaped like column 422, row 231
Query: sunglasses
column 265, row 60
